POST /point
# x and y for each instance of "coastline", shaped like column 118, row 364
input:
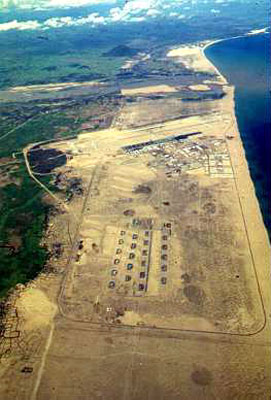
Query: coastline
column 245, row 62
column 61, row 324
column 193, row 57
column 250, row 33
column 233, row 98
column 257, row 234
column 212, row 42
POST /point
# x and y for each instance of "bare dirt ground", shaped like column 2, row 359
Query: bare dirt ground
column 163, row 287
column 148, row 90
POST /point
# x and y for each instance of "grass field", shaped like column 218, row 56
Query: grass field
column 22, row 221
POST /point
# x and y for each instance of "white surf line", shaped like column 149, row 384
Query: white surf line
column 248, row 34
column 42, row 364
column 202, row 49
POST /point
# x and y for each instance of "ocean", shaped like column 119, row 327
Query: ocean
column 245, row 63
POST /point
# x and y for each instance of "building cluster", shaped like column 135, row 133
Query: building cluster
column 130, row 266
column 178, row 154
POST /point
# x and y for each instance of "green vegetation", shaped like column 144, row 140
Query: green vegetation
column 42, row 69
column 121, row 51
column 42, row 127
column 22, row 210
column 22, row 222
column 64, row 57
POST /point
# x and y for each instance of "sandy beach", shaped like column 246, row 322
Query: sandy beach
column 256, row 231
column 193, row 57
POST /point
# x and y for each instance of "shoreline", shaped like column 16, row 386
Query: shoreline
column 263, row 31
column 257, row 234
column 212, row 42
column 258, row 32
column 233, row 105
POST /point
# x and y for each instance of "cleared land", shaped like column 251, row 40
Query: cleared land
column 200, row 87
column 166, row 289
column 52, row 86
column 148, row 90
column 157, row 233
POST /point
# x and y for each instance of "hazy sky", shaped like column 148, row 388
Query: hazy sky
column 51, row 3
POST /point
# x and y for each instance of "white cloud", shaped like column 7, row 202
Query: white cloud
column 91, row 19
column 140, row 4
column 121, row 11
column 27, row 25
column 45, row 4
column 58, row 22
column 153, row 12
column 115, row 14
column 75, row 3
column 214, row 11
column 134, row 11
column 137, row 19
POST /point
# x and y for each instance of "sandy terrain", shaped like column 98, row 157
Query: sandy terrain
column 257, row 31
column 193, row 58
column 163, row 291
column 131, row 63
column 53, row 86
column 36, row 309
column 200, row 88
column 148, row 90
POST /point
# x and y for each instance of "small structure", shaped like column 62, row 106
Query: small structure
column 111, row 284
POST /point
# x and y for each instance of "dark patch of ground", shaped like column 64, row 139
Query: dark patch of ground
column 46, row 160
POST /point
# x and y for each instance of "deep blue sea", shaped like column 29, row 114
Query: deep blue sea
column 245, row 63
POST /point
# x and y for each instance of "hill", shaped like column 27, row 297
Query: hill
column 121, row 51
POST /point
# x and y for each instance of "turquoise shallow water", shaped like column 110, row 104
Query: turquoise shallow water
column 245, row 63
